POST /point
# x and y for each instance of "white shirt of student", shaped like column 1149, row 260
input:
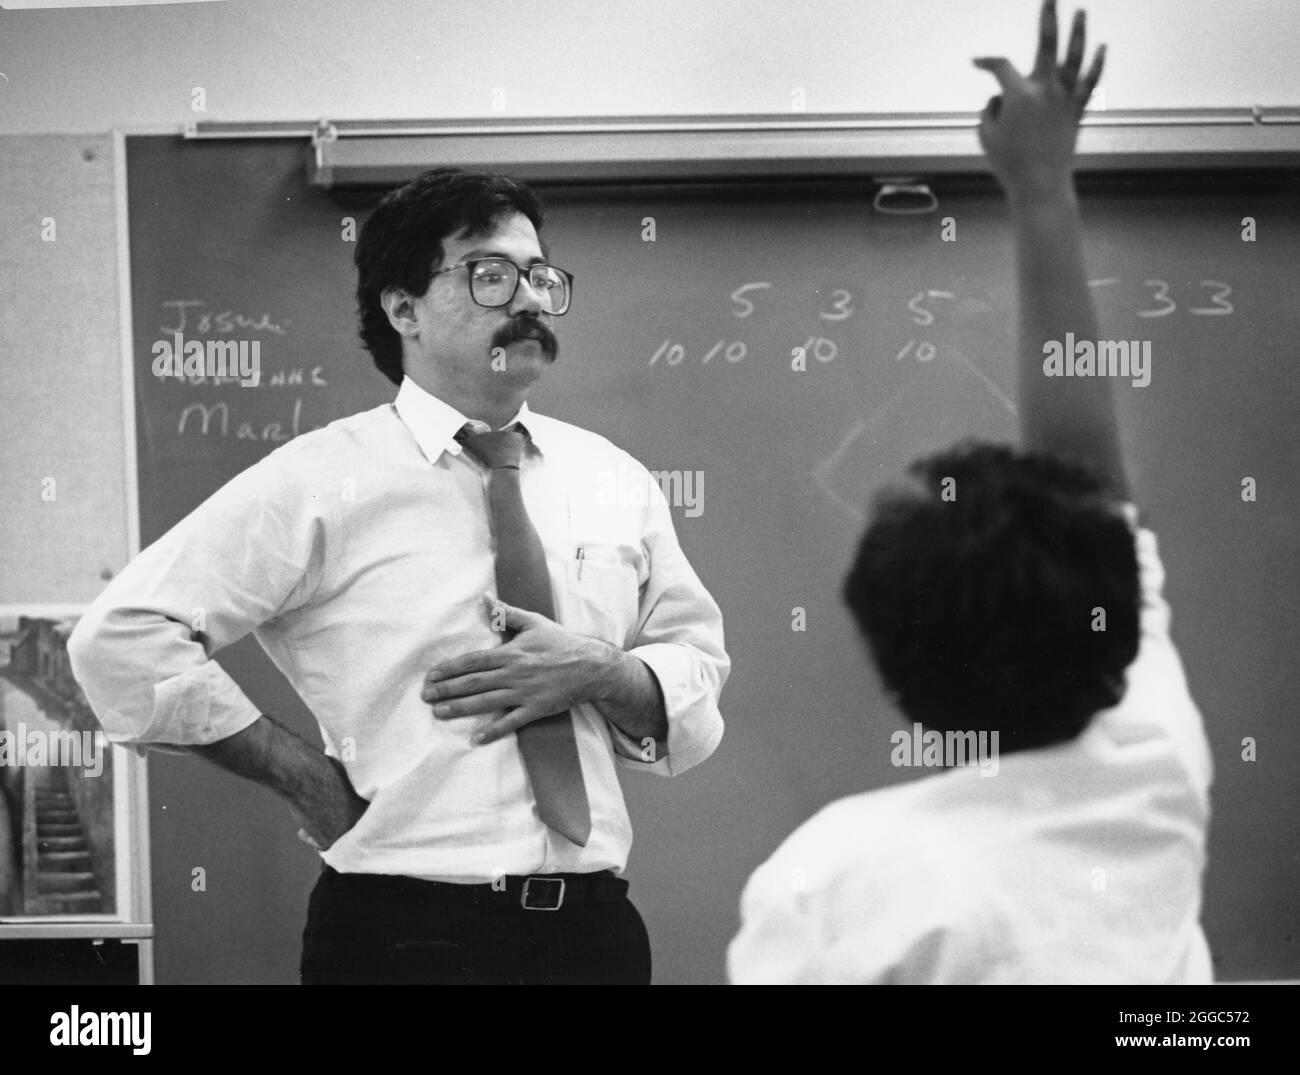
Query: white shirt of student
column 1079, row 863
column 359, row 556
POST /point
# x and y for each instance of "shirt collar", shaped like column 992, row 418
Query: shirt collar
column 434, row 423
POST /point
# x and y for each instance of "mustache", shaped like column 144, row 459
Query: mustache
column 524, row 328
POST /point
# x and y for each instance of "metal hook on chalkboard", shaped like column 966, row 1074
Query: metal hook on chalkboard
column 904, row 196
column 324, row 133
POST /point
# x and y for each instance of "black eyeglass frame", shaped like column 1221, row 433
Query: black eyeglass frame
column 520, row 272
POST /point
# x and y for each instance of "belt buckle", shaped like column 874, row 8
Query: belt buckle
column 559, row 894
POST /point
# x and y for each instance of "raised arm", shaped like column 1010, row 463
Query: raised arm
column 1028, row 133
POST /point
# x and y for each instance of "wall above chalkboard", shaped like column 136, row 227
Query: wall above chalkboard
column 792, row 145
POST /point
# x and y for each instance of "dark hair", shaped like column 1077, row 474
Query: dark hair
column 978, row 607
column 401, row 242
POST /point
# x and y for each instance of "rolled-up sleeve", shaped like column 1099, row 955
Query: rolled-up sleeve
column 143, row 650
column 679, row 636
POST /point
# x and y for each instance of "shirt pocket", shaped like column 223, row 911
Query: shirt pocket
column 604, row 591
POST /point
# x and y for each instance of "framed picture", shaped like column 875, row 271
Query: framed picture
column 72, row 810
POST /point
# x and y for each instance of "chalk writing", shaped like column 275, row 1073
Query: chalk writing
column 746, row 307
column 820, row 348
column 213, row 419
column 841, row 307
column 924, row 308
column 673, row 353
column 925, row 350
column 196, row 317
column 1163, row 304
column 294, row 377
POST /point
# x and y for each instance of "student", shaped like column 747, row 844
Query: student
column 467, row 807
column 980, row 586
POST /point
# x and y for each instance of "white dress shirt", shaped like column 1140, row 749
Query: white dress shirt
column 358, row 555
column 1078, row 863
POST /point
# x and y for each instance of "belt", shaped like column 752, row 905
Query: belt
column 538, row 892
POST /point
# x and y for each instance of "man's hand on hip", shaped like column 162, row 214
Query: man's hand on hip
column 325, row 804
column 316, row 786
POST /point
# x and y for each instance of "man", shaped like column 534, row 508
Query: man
column 1008, row 595
column 481, row 635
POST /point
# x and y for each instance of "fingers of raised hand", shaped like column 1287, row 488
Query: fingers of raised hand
column 1045, row 60
column 1003, row 70
column 1069, row 73
column 1091, row 79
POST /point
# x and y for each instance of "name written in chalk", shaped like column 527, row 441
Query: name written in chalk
column 197, row 316
column 221, row 418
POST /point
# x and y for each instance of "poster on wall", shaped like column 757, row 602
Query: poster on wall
column 65, row 795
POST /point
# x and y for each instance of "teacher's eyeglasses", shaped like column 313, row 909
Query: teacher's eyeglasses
column 493, row 282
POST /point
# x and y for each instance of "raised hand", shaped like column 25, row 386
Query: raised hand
column 1028, row 131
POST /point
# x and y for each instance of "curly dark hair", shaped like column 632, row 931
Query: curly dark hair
column 978, row 609
column 401, row 242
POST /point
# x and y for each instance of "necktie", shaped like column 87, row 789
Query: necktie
column 548, row 746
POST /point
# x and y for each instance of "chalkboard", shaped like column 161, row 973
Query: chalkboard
column 681, row 350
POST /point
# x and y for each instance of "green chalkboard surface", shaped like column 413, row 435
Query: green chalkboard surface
column 680, row 350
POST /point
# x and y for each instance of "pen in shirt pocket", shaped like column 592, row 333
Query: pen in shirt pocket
column 581, row 556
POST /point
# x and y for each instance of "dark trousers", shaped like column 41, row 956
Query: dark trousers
column 376, row 929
